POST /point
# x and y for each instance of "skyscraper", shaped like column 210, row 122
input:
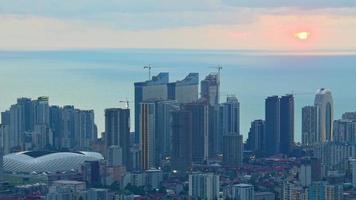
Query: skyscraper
column 5, row 138
column 353, row 171
column 334, row 192
column 344, row 131
column 305, row 174
column 1, row 165
column 21, row 120
column 117, row 133
column 42, row 137
column 5, row 118
column 163, row 127
column 231, row 115
column 349, row 116
column 324, row 103
column 154, row 88
column 186, row 90
column 317, row 190
column 210, row 93
column 210, row 89
column 85, row 129
column 286, row 124
column 148, row 135
column 67, row 127
column 200, row 126
column 272, row 126
column 55, row 123
column 229, row 120
column 255, row 136
column 182, row 140
column 309, row 125
column 233, row 150
column 41, row 111
column 204, row 186
column 240, row 191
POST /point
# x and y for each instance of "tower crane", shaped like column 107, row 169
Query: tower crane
column 127, row 103
column 148, row 67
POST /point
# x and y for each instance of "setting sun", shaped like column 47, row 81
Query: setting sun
column 304, row 35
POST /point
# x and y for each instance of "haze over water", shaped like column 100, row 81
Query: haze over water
column 98, row 79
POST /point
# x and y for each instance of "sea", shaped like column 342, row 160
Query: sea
column 100, row 78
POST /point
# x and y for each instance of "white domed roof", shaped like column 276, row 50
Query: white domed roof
column 46, row 161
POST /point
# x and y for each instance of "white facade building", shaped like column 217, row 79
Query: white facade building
column 204, row 186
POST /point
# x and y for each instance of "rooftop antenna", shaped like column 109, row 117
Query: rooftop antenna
column 149, row 67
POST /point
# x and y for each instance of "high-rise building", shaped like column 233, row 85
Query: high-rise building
column 324, row 103
column 334, row 192
column 240, row 191
column 114, row 156
column 305, row 174
column 21, row 120
column 286, row 124
column 233, row 150
column 186, row 90
column 85, row 129
column 316, row 169
column 231, row 116
column 293, row 191
column 37, row 125
column 98, row 193
column 210, row 89
column 148, row 135
column 229, row 120
column 349, row 116
column 309, row 125
column 117, row 134
column 255, row 136
column 353, row 171
column 41, row 111
column 1, row 165
column 316, row 191
column 154, row 88
column 91, row 172
column 55, row 123
column 5, row 138
column 344, row 131
column 67, row 127
column 5, row 118
column 163, row 127
column 25, row 107
column 200, row 130
column 204, row 186
column 42, row 137
column 182, row 134
column 272, row 126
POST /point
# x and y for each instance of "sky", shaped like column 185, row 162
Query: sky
column 187, row 24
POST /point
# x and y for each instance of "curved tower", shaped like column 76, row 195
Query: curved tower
column 325, row 105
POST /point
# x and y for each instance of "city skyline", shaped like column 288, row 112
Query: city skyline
column 245, row 120
column 177, row 99
column 297, row 136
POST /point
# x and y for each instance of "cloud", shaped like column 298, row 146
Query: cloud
column 162, row 14
column 217, row 24
column 267, row 32
column 312, row 4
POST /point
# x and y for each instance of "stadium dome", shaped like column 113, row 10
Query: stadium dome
column 47, row 161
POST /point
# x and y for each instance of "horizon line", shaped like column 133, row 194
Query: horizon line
column 287, row 52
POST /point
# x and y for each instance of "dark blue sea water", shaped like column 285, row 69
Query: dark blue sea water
column 98, row 79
